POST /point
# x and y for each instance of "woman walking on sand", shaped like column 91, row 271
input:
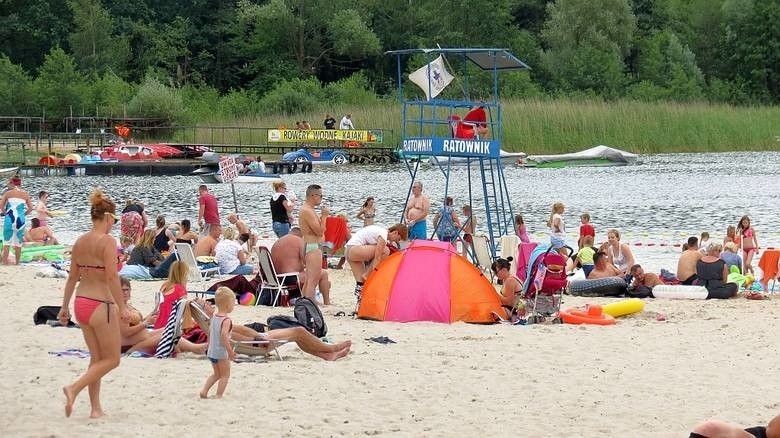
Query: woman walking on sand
column 99, row 304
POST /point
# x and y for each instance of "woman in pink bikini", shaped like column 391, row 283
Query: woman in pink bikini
column 749, row 243
column 99, row 303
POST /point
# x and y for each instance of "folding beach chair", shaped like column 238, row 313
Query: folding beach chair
column 509, row 244
column 272, row 280
column 482, row 252
column 196, row 274
column 172, row 331
column 249, row 348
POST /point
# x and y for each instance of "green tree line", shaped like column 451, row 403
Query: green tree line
column 194, row 60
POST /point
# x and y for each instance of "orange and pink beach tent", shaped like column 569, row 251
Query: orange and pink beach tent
column 429, row 281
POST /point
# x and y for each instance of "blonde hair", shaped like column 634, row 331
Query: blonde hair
column 277, row 185
column 555, row 207
column 615, row 232
column 147, row 239
column 177, row 275
column 223, row 297
column 229, row 233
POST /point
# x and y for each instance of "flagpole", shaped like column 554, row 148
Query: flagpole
column 462, row 86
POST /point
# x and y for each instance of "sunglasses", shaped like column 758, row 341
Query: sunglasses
column 116, row 219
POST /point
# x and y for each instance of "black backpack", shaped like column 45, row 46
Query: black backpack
column 48, row 315
column 309, row 315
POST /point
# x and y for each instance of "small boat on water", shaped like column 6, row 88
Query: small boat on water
column 598, row 156
column 8, row 172
column 253, row 177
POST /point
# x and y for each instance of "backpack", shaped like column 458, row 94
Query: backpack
column 309, row 315
column 44, row 314
column 446, row 228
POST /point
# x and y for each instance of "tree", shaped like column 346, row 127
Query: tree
column 666, row 63
column 59, row 87
column 303, row 33
column 586, row 43
column 92, row 43
column 30, row 28
column 154, row 99
column 751, row 47
column 16, row 96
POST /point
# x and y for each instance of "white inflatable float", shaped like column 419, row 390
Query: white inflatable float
column 680, row 292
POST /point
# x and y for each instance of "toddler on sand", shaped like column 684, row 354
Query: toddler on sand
column 220, row 352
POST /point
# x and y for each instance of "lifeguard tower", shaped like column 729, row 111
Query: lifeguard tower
column 459, row 132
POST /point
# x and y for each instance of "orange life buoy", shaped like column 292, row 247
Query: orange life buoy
column 593, row 315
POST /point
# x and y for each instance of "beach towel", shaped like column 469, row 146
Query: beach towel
column 336, row 233
column 768, row 264
column 136, row 272
column 170, row 336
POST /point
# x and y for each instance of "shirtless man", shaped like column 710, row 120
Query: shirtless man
column 40, row 233
column 642, row 278
column 313, row 230
column 416, row 213
column 287, row 254
column 721, row 429
column 686, row 266
column 603, row 268
column 243, row 228
column 207, row 245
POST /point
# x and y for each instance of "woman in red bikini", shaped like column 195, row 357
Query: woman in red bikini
column 99, row 304
column 749, row 244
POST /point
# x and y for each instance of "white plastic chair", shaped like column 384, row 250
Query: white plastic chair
column 196, row 274
column 272, row 280
column 482, row 252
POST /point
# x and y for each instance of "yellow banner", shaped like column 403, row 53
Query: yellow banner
column 312, row 135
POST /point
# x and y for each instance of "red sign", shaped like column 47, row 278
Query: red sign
column 228, row 169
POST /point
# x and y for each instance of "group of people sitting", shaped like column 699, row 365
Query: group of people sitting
column 226, row 248
column 143, row 333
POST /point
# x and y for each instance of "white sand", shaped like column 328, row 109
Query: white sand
column 638, row 378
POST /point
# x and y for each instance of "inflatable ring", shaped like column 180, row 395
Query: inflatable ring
column 600, row 287
column 623, row 307
column 593, row 315
column 680, row 292
column 292, row 167
column 306, row 167
column 354, row 158
column 277, row 167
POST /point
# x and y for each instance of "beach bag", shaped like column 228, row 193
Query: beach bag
column 309, row 315
column 44, row 314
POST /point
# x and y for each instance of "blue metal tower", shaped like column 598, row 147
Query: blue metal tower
column 434, row 128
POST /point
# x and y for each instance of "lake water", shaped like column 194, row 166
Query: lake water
column 660, row 201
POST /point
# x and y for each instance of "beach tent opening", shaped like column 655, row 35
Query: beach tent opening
column 429, row 281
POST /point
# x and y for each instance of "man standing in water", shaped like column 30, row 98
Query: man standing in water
column 313, row 230
column 416, row 213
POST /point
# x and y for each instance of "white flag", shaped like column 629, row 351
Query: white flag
column 439, row 77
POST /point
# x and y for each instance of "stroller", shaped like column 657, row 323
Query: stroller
column 544, row 287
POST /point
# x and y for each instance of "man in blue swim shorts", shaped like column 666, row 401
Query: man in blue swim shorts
column 416, row 213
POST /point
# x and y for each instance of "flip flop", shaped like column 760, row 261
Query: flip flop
column 340, row 313
column 381, row 340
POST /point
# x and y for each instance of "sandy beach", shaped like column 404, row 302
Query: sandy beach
column 642, row 377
